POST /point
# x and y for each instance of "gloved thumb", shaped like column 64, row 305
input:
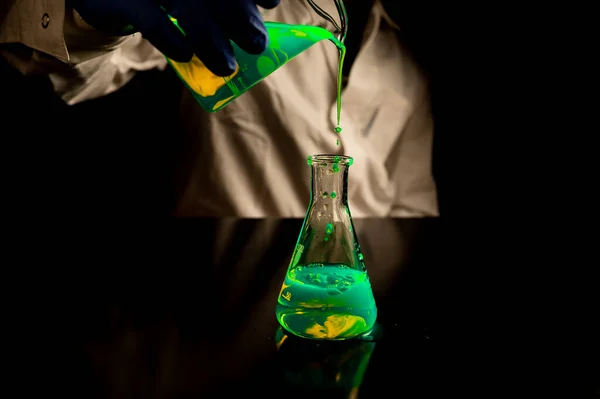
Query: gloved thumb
column 156, row 27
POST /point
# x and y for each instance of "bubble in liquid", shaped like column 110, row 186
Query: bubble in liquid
column 343, row 286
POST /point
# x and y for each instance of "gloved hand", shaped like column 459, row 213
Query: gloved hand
column 209, row 25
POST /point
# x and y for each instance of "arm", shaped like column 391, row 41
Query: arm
column 38, row 24
column 410, row 166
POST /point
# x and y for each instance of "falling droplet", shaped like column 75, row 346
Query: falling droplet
column 338, row 129
column 328, row 228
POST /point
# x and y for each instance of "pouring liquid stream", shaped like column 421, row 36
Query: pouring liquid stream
column 342, row 50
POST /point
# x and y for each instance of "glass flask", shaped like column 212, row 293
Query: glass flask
column 326, row 293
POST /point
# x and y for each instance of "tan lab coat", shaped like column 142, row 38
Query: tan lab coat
column 249, row 159
column 82, row 63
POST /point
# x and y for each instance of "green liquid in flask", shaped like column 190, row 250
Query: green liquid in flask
column 326, row 301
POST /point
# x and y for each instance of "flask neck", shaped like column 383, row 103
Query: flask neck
column 329, row 178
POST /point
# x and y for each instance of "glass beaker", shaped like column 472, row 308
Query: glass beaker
column 285, row 42
column 326, row 293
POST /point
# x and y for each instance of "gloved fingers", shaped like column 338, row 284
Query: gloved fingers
column 244, row 25
column 267, row 3
column 207, row 40
column 157, row 28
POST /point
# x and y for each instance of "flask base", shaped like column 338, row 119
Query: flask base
column 324, row 324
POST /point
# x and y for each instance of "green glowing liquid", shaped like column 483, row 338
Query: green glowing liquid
column 285, row 42
column 342, row 50
column 326, row 301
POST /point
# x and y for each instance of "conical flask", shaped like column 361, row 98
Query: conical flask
column 326, row 293
column 285, row 42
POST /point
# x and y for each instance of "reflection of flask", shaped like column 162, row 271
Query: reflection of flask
column 322, row 369
column 285, row 42
column 326, row 293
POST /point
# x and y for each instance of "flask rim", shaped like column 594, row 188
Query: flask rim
column 331, row 158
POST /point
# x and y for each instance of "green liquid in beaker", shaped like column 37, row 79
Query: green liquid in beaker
column 285, row 42
column 326, row 301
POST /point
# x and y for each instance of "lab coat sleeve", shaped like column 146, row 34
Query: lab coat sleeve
column 38, row 24
column 410, row 166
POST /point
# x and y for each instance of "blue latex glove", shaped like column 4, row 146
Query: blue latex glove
column 209, row 25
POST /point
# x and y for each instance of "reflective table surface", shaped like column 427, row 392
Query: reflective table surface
column 188, row 310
